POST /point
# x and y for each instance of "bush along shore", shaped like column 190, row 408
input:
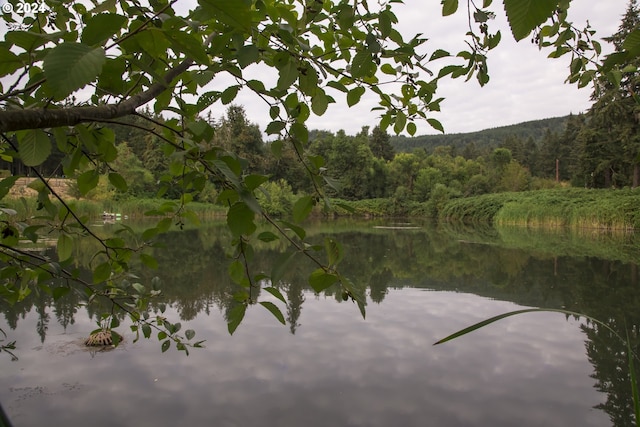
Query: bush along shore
column 566, row 207
column 572, row 208
column 26, row 207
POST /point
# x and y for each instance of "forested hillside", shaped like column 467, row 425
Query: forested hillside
column 481, row 139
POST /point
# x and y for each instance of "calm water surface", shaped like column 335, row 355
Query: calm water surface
column 329, row 366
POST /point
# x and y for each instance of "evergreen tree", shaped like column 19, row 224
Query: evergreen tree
column 380, row 144
column 236, row 134
column 612, row 145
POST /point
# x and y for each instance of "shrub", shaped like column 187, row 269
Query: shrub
column 276, row 197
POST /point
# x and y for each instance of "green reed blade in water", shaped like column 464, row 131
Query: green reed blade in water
column 634, row 383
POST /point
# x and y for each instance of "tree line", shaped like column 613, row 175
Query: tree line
column 597, row 149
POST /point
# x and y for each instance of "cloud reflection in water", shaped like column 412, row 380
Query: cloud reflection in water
column 338, row 369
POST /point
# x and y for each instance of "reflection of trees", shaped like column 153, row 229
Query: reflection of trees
column 193, row 273
column 608, row 354
column 43, row 321
column 66, row 308
column 295, row 298
column 607, row 291
column 379, row 284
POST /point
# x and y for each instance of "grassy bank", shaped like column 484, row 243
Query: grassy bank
column 132, row 208
column 565, row 207
column 376, row 208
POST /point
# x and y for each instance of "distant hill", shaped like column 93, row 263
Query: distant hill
column 484, row 138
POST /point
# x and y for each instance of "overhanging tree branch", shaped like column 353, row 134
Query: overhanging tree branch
column 13, row 120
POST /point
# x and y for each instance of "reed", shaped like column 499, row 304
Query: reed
column 561, row 207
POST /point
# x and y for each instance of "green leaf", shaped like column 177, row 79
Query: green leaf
column 449, row 7
column 362, row 64
column 334, row 251
column 116, row 338
column 302, row 208
column 235, row 13
column 165, row 345
column 281, row 266
column 319, row 103
column 300, row 131
column 102, row 272
column 118, row 181
column 31, row 232
column 229, row 94
column 149, row 261
column 34, row 147
column 102, row 6
column 236, row 314
column 321, row 280
column 9, row 236
column 6, row 184
column 385, row 23
column 274, row 310
column 64, row 247
column 288, row 75
column 401, row 121
column 388, row 69
column 189, row 333
column 354, row 95
column 254, row 181
column 248, row 55
column 146, row 330
column 338, row 86
column 10, row 61
column 59, row 292
column 632, row 43
column 275, row 292
column 525, row 15
column 88, row 181
column 275, row 127
column 71, row 66
column 29, row 40
column 439, row 53
column 184, row 42
column 139, row 288
column 296, row 229
column 240, row 219
column 101, row 27
column 267, row 236
column 237, row 272
column 411, row 128
column 495, row 319
column 435, row 124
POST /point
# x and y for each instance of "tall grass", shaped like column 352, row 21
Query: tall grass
column 563, row 207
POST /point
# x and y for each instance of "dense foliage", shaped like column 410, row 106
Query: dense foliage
column 75, row 77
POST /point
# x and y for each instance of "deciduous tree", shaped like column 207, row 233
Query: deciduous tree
column 74, row 68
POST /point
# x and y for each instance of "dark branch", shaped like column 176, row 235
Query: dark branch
column 13, row 120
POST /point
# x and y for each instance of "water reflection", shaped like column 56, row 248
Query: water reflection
column 338, row 368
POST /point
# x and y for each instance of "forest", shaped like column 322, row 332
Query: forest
column 551, row 153
column 595, row 149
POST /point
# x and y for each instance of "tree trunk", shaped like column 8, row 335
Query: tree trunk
column 636, row 175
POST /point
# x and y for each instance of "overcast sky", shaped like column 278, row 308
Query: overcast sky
column 525, row 84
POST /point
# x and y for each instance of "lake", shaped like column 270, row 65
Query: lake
column 328, row 365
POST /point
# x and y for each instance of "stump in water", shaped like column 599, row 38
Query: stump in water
column 100, row 338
